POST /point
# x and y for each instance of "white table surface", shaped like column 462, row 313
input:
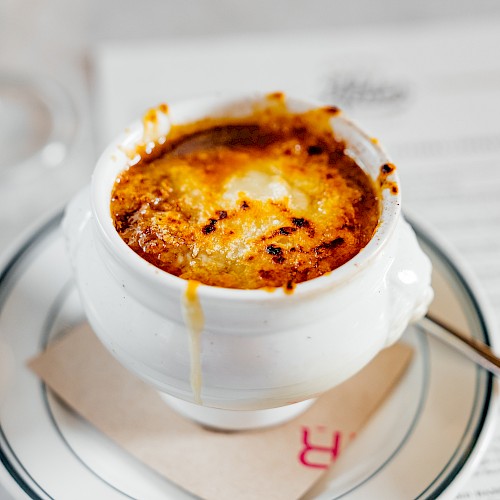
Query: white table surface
column 56, row 38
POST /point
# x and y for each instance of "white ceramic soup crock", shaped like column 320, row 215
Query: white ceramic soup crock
column 265, row 354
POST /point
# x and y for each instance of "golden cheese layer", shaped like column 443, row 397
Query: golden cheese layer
column 267, row 200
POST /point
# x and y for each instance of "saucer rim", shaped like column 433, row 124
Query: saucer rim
column 484, row 427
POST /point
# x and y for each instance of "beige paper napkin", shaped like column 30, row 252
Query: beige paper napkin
column 277, row 463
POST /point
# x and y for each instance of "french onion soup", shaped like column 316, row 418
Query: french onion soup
column 267, row 200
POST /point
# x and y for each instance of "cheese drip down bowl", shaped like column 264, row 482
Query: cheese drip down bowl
column 265, row 351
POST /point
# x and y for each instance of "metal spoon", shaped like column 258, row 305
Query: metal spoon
column 472, row 348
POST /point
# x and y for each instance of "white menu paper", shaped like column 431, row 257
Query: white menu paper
column 431, row 93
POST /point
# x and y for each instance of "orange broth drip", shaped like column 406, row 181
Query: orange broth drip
column 261, row 201
column 195, row 321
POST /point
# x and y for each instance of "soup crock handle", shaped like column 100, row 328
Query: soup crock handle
column 409, row 281
column 76, row 216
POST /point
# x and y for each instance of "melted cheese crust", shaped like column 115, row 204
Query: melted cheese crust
column 267, row 200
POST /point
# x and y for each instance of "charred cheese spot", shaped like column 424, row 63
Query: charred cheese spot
column 268, row 200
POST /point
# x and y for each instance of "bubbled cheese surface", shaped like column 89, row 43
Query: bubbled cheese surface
column 267, row 200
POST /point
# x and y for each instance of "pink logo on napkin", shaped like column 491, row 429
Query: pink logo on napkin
column 318, row 455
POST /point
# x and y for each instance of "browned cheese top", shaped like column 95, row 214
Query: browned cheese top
column 267, row 200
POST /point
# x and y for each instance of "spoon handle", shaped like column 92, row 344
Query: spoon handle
column 472, row 348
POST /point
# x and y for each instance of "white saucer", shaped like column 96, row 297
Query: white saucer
column 423, row 442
